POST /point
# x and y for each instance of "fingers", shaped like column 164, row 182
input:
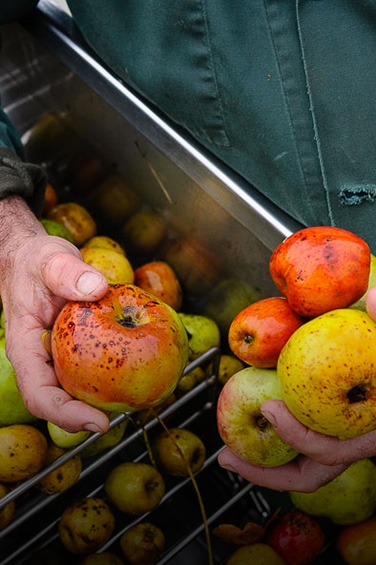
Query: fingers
column 66, row 275
column 371, row 302
column 325, row 450
column 301, row 475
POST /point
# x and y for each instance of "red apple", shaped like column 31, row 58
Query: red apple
column 259, row 332
column 158, row 278
column 122, row 353
column 296, row 537
column 320, row 269
column 357, row 543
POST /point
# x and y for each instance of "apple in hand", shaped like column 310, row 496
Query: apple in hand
column 135, row 487
column 348, row 499
column 296, row 537
column 203, row 333
column 361, row 303
column 241, row 424
column 327, row 372
column 357, row 543
column 320, row 269
column 142, row 544
column 260, row 331
column 158, row 278
column 178, row 449
column 125, row 352
column 86, row 525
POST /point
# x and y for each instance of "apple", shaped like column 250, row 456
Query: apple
column 125, row 352
column 113, row 265
column 7, row 512
column 86, row 171
column 86, row 525
column 158, row 278
column 227, row 299
column 228, row 366
column 259, row 332
column 296, row 537
column 348, row 499
column 361, row 303
column 104, row 558
column 105, row 242
column 327, row 372
column 142, row 544
column 56, row 229
column 134, row 487
column 190, row 380
column 23, row 451
column 257, row 553
column 144, row 416
column 64, row 476
column 143, row 232
column 105, row 440
column 12, row 406
column 320, row 269
column 178, row 451
column 241, row 424
column 76, row 219
column 65, row 439
column 50, row 199
column 115, row 201
column 357, row 543
column 203, row 333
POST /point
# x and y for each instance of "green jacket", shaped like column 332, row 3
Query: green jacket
column 280, row 90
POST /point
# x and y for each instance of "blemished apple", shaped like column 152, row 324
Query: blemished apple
column 259, row 332
column 105, row 242
column 228, row 366
column 142, row 544
column 178, row 451
column 134, row 487
column 123, row 353
column 242, row 426
column 203, row 333
column 321, row 268
column 86, row 525
column 64, row 476
column 327, row 371
column 113, row 265
column 104, row 558
column 348, row 499
column 23, row 451
column 357, row 543
column 77, row 220
column 158, row 278
column 7, row 512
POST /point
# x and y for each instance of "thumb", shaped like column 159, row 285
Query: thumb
column 371, row 302
column 70, row 278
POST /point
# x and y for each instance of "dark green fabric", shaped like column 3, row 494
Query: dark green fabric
column 280, row 90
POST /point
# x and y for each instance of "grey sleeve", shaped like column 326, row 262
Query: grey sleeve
column 24, row 179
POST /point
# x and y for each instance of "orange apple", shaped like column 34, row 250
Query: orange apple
column 76, row 218
column 320, row 269
column 258, row 333
column 124, row 352
column 50, row 199
column 158, row 278
column 357, row 543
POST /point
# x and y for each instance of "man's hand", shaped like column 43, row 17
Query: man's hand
column 321, row 457
column 38, row 274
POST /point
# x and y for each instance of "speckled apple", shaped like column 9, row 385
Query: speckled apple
column 122, row 353
column 321, row 268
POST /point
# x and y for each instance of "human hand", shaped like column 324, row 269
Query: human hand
column 39, row 273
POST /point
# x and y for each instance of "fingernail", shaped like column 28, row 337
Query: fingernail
column 92, row 428
column 228, row 467
column 271, row 418
column 88, row 282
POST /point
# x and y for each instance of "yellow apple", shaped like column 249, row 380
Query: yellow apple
column 64, row 476
column 7, row 512
column 105, row 242
column 76, row 218
column 143, row 232
column 257, row 553
column 178, row 450
column 113, row 265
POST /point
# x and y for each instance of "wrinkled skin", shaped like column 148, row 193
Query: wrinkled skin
column 38, row 274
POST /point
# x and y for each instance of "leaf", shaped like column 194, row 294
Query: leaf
column 251, row 533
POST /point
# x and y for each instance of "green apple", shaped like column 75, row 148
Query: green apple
column 54, row 228
column 64, row 439
column 203, row 333
column 361, row 303
column 190, row 380
column 348, row 499
column 106, row 440
column 241, row 424
column 227, row 299
column 12, row 406
column 176, row 450
column 327, row 371
column 2, row 321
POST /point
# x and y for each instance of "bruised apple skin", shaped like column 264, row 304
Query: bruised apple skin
column 320, row 269
column 123, row 353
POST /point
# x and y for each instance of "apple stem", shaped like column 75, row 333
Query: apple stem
column 148, row 447
column 195, row 486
